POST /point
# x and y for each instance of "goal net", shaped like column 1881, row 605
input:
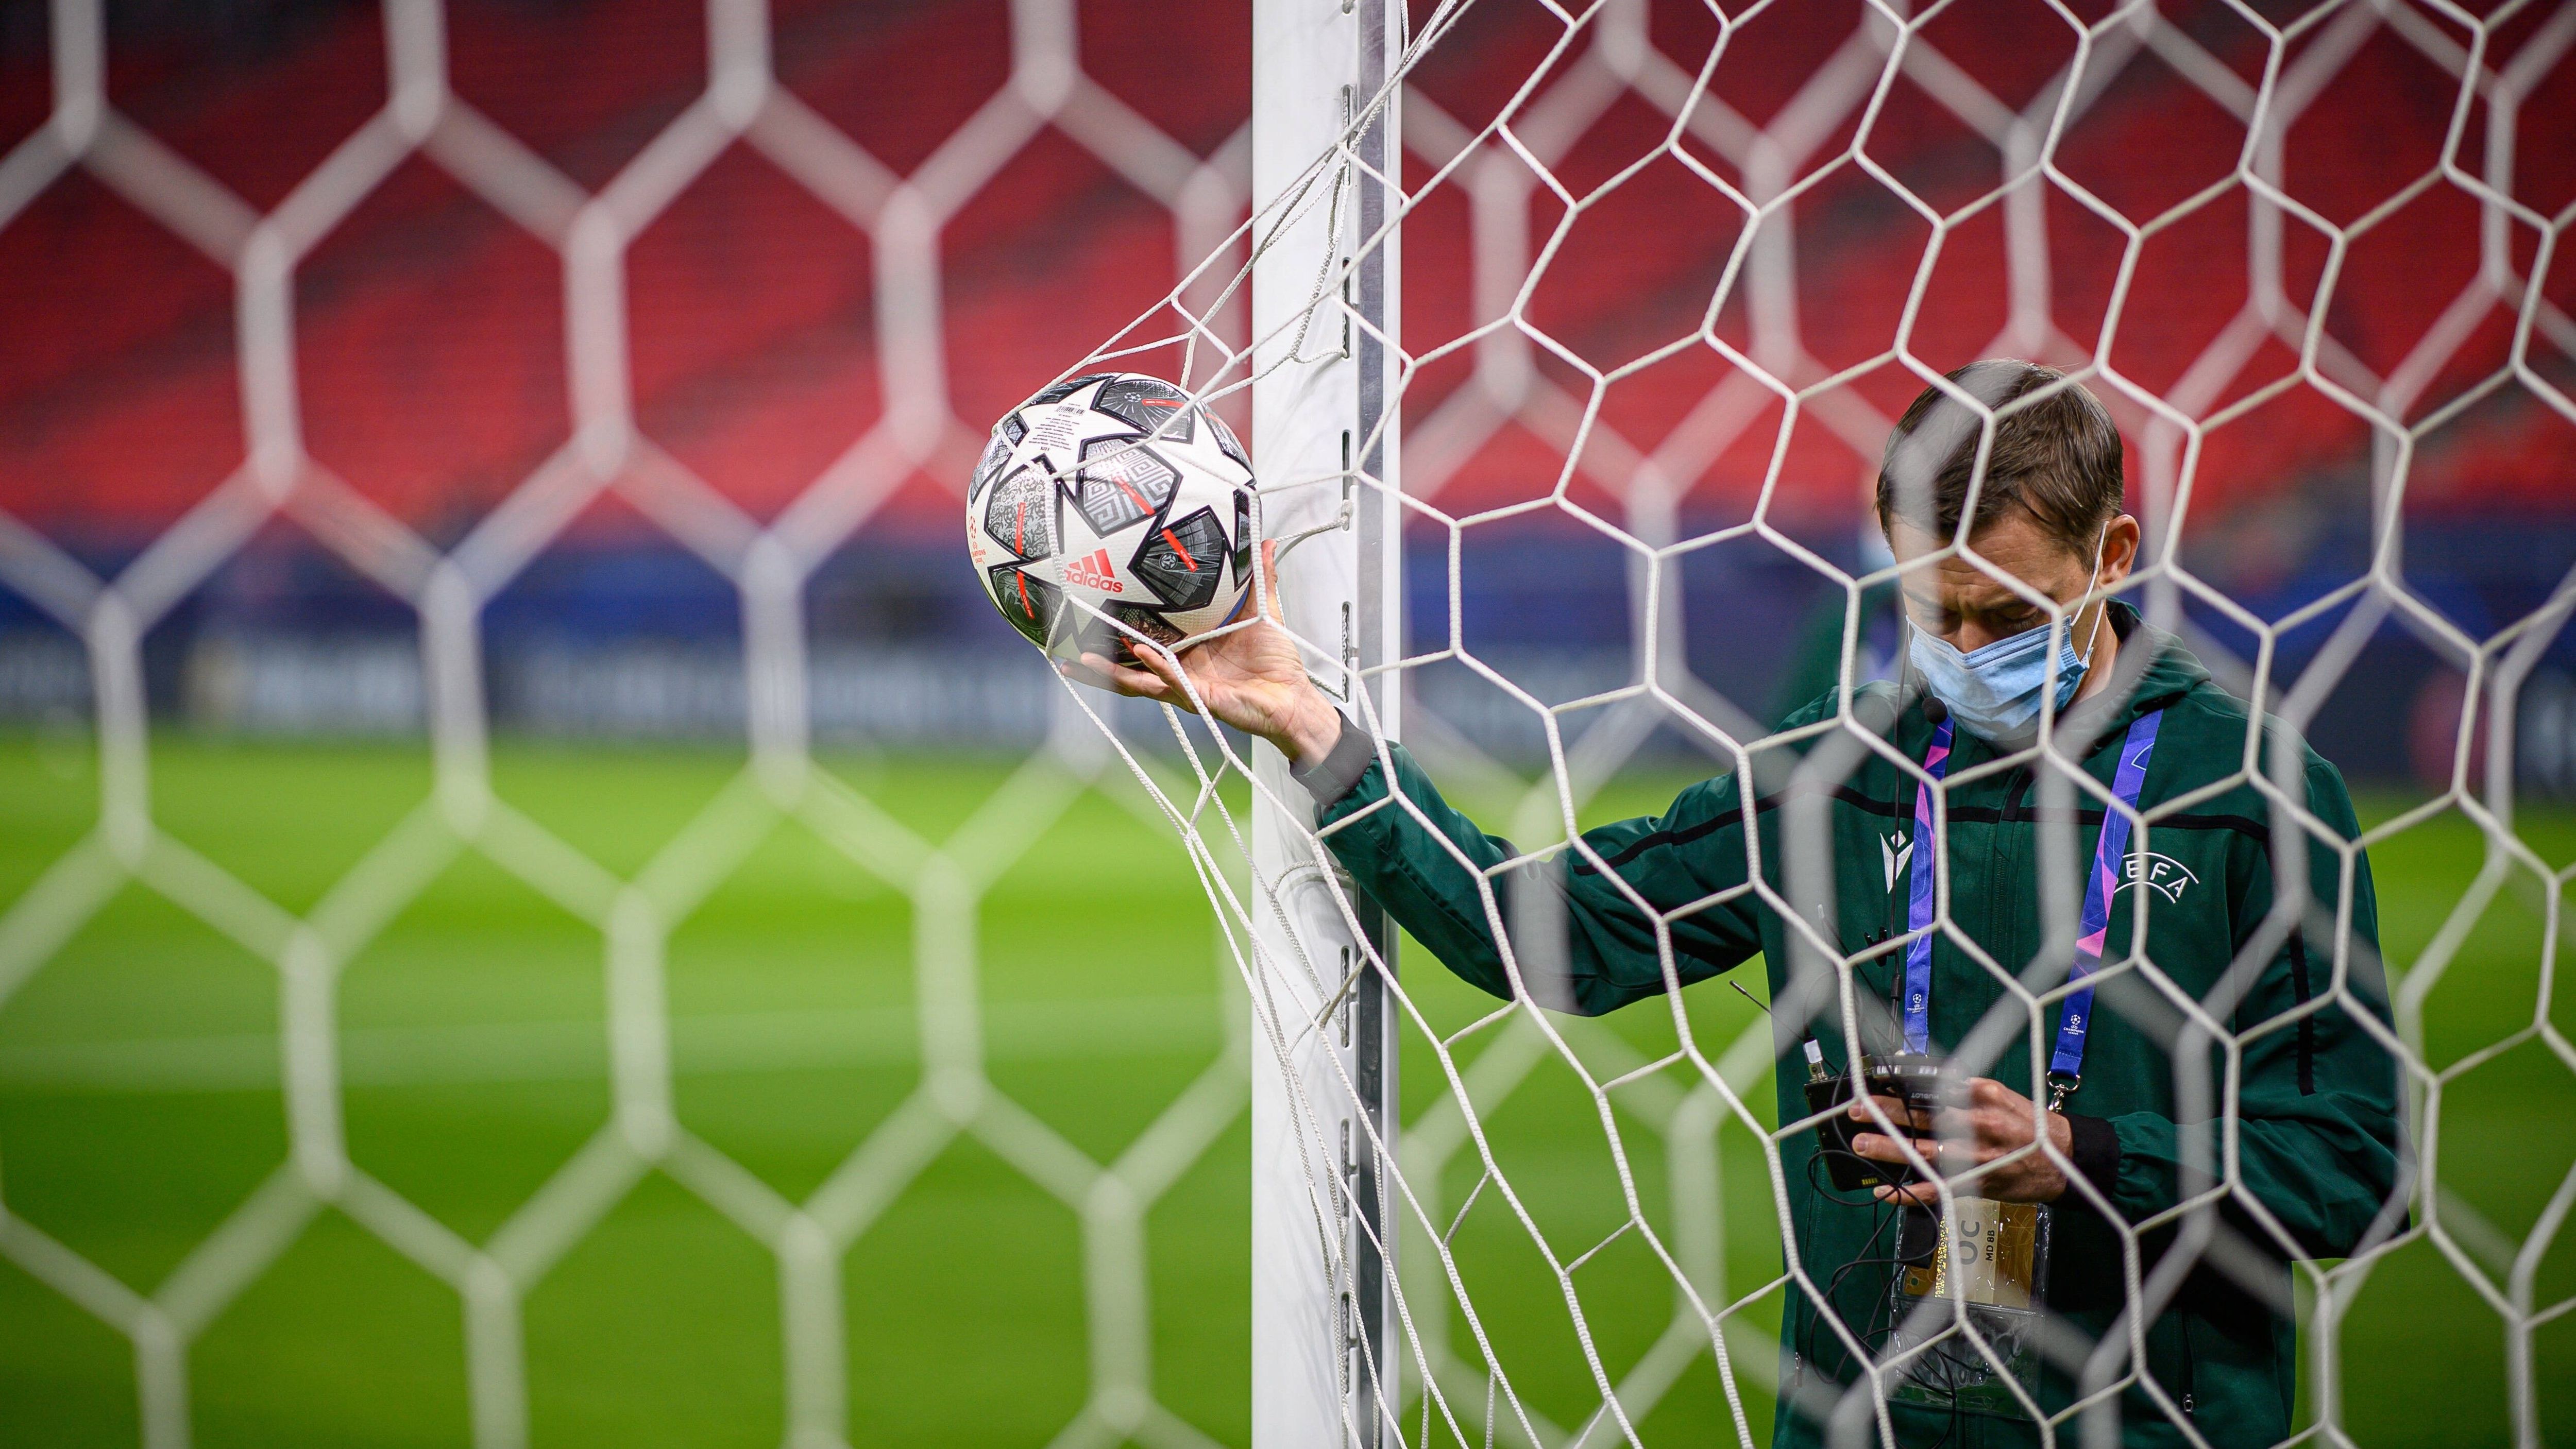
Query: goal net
column 1666, row 279
column 1566, row 337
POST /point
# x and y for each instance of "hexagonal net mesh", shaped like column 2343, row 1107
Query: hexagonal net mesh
column 1622, row 350
column 1671, row 273
column 86, row 145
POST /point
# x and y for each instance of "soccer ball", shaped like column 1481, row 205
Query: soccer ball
column 1108, row 510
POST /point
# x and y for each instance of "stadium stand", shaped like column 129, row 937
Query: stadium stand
column 431, row 350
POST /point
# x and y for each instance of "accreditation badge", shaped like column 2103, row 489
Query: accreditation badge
column 1985, row 1266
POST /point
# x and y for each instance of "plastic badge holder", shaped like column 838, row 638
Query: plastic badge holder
column 1997, row 1253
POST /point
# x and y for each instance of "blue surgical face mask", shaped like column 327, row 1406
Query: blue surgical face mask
column 1994, row 692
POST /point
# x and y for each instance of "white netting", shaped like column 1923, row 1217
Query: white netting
column 771, row 563
column 1684, row 1106
column 1462, row 1356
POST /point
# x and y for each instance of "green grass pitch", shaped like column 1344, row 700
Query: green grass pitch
column 139, row 1106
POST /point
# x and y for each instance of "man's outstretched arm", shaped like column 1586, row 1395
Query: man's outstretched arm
column 1440, row 875
column 1435, row 871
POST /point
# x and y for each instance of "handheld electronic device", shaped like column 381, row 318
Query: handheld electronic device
column 1911, row 1077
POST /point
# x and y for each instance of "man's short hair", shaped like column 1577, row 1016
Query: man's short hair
column 2055, row 456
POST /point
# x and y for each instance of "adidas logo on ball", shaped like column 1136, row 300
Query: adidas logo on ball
column 1093, row 573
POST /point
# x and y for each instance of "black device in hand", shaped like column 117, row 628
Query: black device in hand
column 1910, row 1077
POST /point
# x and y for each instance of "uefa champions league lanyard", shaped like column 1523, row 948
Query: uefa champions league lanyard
column 2110, row 858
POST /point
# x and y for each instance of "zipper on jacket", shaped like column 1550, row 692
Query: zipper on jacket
column 2308, row 1023
column 2000, row 869
column 2014, row 784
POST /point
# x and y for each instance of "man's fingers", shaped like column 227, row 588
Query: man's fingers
column 1895, row 1111
column 1090, row 669
column 1879, row 1147
column 1097, row 670
column 1167, row 674
column 1947, row 1154
column 1986, row 1091
column 1158, row 679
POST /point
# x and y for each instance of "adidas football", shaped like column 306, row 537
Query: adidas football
column 1108, row 510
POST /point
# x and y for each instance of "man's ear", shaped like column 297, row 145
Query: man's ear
column 2120, row 549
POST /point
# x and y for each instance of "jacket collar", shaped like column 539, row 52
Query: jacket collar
column 2153, row 670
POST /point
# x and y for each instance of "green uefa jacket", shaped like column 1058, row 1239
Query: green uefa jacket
column 2253, row 916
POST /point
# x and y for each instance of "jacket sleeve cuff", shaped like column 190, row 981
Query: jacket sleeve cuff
column 1339, row 771
column 2094, row 1147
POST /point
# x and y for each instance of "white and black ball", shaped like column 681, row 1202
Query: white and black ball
column 1109, row 510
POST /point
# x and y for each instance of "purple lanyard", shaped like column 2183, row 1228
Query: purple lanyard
column 1918, row 902
column 2110, row 855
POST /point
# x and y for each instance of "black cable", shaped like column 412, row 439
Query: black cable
column 1830, row 1301
column 1807, row 1236
column 1867, row 1257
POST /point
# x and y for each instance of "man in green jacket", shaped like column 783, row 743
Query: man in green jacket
column 2198, row 884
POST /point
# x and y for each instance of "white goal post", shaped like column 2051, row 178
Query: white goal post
column 1323, row 404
